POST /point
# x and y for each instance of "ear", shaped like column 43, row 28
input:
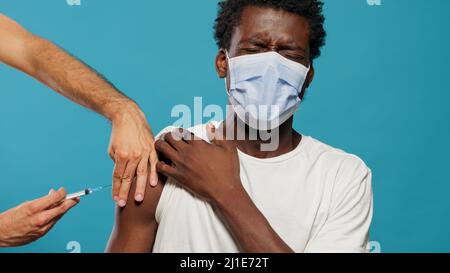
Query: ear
column 310, row 76
column 221, row 64
column 308, row 81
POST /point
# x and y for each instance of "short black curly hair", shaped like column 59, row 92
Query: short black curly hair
column 229, row 16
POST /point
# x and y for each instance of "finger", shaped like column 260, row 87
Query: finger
column 188, row 137
column 168, row 151
column 175, row 139
column 57, row 218
column 141, row 182
column 44, row 230
column 213, row 136
column 45, row 217
column 111, row 152
column 119, row 170
column 52, row 199
column 50, row 225
column 153, row 172
column 127, row 179
column 167, row 170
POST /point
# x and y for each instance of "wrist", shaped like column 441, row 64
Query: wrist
column 227, row 199
column 116, row 110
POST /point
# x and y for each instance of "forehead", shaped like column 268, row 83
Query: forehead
column 271, row 24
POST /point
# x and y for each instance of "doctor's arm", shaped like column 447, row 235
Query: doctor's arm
column 131, row 145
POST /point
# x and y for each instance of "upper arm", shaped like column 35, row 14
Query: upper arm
column 347, row 226
column 16, row 45
column 135, row 225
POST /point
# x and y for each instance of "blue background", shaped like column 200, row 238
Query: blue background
column 381, row 91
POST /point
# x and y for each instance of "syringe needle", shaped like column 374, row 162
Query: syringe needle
column 86, row 191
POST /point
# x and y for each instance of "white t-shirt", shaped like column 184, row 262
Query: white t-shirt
column 317, row 198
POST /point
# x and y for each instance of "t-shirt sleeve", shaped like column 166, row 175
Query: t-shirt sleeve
column 346, row 228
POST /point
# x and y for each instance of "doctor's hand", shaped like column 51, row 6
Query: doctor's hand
column 32, row 220
column 132, row 149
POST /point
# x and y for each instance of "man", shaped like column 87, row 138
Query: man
column 228, row 194
column 131, row 145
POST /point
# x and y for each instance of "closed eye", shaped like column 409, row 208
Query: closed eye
column 251, row 50
column 299, row 59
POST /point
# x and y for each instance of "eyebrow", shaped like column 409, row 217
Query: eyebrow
column 293, row 46
column 258, row 41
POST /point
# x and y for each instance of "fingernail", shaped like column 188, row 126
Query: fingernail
column 121, row 203
column 139, row 198
column 116, row 198
column 154, row 181
column 51, row 191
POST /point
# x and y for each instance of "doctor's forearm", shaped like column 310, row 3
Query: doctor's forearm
column 55, row 68
column 76, row 81
column 249, row 227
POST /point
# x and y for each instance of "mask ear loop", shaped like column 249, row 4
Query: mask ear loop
column 306, row 76
column 226, row 54
column 230, row 112
column 228, row 66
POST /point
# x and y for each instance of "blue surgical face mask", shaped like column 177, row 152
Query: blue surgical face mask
column 264, row 88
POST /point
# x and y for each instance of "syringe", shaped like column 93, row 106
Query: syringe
column 85, row 192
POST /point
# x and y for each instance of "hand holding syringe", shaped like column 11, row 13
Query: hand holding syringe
column 34, row 219
column 87, row 191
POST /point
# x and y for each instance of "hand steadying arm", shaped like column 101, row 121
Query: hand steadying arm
column 132, row 141
column 212, row 172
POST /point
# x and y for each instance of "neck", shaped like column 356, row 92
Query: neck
column 252, row 142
